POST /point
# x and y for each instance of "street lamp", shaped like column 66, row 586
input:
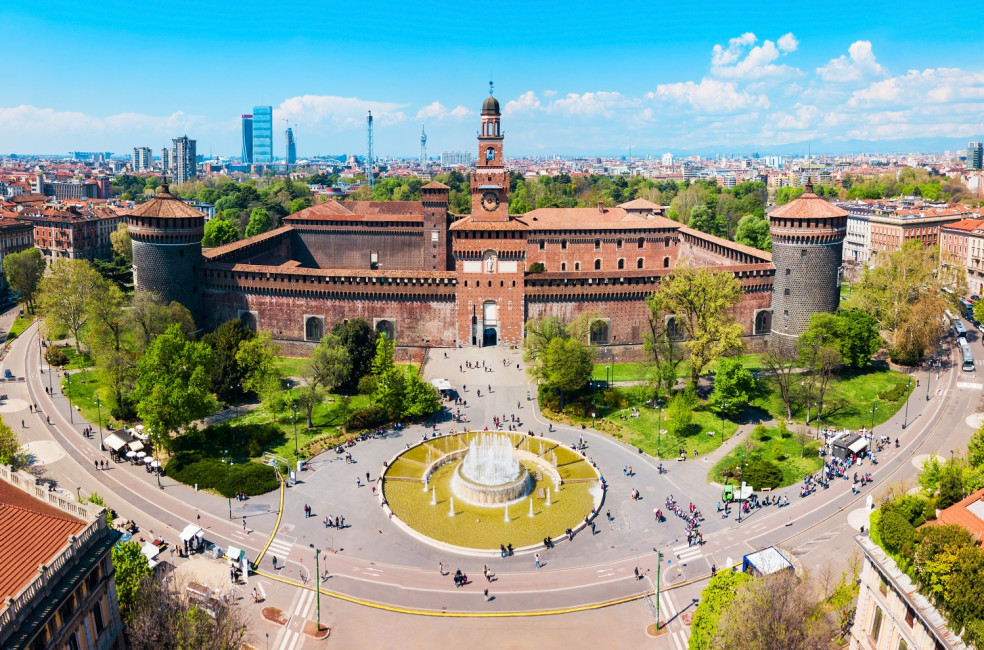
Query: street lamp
column 293, row 420
column 929, row 377
column 228, row 482
column 78, row 491
column 659, row 428
column 741, row 480
column 99, row 412
column 317, row 584
column 874, row 407
column 71, row 416
column 659, row 567
column 905, row 422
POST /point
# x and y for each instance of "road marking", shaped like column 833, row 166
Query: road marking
column 687, row 553
column 679, row 640
column 281, row 548
column 666, row 607
column 970, row 384
column 290, row 640
column 259, row 585
column 304, row 603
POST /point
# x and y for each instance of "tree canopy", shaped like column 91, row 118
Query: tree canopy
column 24, row 271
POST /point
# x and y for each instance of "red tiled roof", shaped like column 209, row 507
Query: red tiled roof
column 808, row 206
column 969, row 225
column 434, row 185
column 592, row 218
column 165, row 205
column 959, row 514
column 33, row 197
column 32, row 533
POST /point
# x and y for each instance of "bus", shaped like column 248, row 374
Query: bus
column 956, row 326
column 968, row 307
column 968, row 357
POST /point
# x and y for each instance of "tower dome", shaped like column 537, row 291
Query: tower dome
column 807, row 245
column 490, row 106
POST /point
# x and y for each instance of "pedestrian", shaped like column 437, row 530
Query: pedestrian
column 244, row 524
column 440, row 568
column 274, row 561
column 326, row 521
column 97, row 463
column 341, row 522
column 486, row 594
column 307, row 511
column 637, row 574
column 536, row 559
column 358, row 482
column 367, row 477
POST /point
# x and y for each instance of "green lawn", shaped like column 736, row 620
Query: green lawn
column 796, row 454
column 21, row 323
column 83, row 392
column 640, row 371
column 291, row 367
column 848, row 401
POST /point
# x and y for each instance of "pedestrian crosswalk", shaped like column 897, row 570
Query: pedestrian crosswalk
column 686, row 553
column 280, row 548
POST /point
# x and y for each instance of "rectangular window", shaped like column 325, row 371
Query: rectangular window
column 97, row 616
column 876, row 623
column 883, row 586
column 910, row 616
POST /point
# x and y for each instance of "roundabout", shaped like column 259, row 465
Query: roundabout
column 477, row 492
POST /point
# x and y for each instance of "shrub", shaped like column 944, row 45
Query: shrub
column 212, row 474
column 893, row 393
column 55, row 356
column 368, row 417
column 125, row 411
column 896, row 533
column 904, row 357
column 367, row 385
column 762, row 474
column 536, row 267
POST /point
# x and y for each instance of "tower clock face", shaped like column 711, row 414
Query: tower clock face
column 490, row 154
column 490, row 201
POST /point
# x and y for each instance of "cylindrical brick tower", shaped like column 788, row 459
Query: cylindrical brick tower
column 807, row 242
column 167, row 249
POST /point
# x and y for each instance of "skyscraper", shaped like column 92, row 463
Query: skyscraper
column 262, row 134
column 142, row 160
column 291, row 147
column 165, row 160
column 975, row 155
column 185, row 159
column 247, row 139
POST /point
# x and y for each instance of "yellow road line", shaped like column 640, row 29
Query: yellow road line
column 276, row 526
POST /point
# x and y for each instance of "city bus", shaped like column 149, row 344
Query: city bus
column 956, row 326
column 968, row 307
column 968, row 357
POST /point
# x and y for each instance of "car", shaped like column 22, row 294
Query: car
column 974, row 298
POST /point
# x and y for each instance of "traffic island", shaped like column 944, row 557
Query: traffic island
column 275, row 615
column 653, row 632
column 316, row 631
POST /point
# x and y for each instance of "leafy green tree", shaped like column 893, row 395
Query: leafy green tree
column 420, row 398
column 130, row 567
column 701, row 218
column 10, row 448
column 226, row 375
column 975, row 448
column 964, row 589
column 733, row 384
column 390, row 391
column 328, row 369
column 24, row 271
column 539, row 333
column 122, row 243
column 359, row 339
column 701, row 301
column 714, row 599
column 661, row 344
column 786, row 194
column 67, row 294
column 951, row 486
column 857, row 338
column 218, row 232
column 150, row 317
column 754, row 231
column 113, row 346
column 257, row 360
column 935, row 555
column 896, row 532
column 382, row 362
column 679, row 415
column 568, row 365
column 259, row 222
column 173, row 385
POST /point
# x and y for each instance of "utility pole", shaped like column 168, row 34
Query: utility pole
column 99, row 411
column 317, row 584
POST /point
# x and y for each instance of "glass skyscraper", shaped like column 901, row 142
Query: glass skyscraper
column 262, row 134
column 247, row 139
column 975, row 155
column 291, row 147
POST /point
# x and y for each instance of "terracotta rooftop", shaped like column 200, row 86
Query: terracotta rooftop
column 640, row 204
column 968, row 514
column 219, row 251
column 32, row 533
column 469, row 223
column 592, row 218
column 808, row 206
column 969, row 225
column 434, row 185
column 165, row 205
column 378, row 210
column 33, row 197
column 765, row 256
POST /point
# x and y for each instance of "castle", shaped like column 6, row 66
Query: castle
column 429, row 278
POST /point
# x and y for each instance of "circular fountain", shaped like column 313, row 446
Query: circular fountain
column 491, row 472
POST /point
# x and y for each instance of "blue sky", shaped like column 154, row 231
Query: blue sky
column 572, row 77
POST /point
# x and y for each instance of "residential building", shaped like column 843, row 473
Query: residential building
column 142, row 159
column 56, row 571
column 166, row 160
column 667, row 160
column 247, row 139
column 890, row 231
column 857, row 243
column 963, row 242
column 15, row 236
column 80, row 232
column 291, row 147
column 891, row 613
column 184, row 159
column 262, row 134
column 975, row 156
column 456, row 159
column 67, row 189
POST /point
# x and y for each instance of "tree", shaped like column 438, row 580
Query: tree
column 754, row 231
column 219, row 232
column 173, row 385
column 539, row 333
column 163, row 618
column 732, row 386
column 24, row 271
column 857, row 337
column 964, row 589
column 67, row 295
column 568, row 365
column 382, row 361
column 359, row 339
column 390, row 393
column 701, row 218
column 150, row 317
column 935, row 555
column 975, row 448
column 714, row 599
column 226, row 375
column 122, row 243
column 781, row 361
column 951, row 486
column 328, row 368
column 679, row 415
column 10, row 448
column 257, row 360
column 818, row 354
column 700, row 300
column 777, row 612
column 661, row 344
column 786, row 194
column 259, row 222
column 420, row 398
column 112, row 344
column 130, row 567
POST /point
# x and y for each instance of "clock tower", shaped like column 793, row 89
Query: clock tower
column 490, row 182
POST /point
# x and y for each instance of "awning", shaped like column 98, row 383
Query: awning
column 858, row 445
column 441, row 384
column 234, row 553
column 114, row 442
column 136, row 445
column 150, row 551
column 190, row 531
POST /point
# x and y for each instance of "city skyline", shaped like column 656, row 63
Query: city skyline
column 730, row 80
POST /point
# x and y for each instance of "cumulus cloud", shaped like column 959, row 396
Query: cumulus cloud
column 347, row 112
column 459, row 112
column 26, row 118
column 528, row 102
column 591, row 104
column 710, row 96
column 857, row 65
column 439, row 111
column 728, row 62
column 930, row 86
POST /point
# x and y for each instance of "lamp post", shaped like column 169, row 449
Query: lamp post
column 659, row 567
column 99, row 412
column 607, row 373
column 71, row 416
column 741, row 480
column 905, row 422
column 659, row 428
column 293, row 420
column 78, row 491
column 317, row 584
column 228, row 482
column 874, row 407
column 929, row 378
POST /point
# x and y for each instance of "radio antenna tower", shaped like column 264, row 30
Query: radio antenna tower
column 369, row 161
column 423, row 146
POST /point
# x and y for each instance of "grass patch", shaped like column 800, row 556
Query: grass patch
column 788, row 451
column 83, row 395
column 78, row 360
column 848, row 401
column 641, row 371
column 21, row 323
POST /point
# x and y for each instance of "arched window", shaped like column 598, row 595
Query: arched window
column 386, row 328
column 248, row 319
column 597, row 244
column 666, row 262
column 673, row 330
column 597, row 265
column 314, row 329
column 577, row 266
column 599, row 332
column 563, row 266
column 762, row 322
column 621, row 264
column 642, row 242
column 618, row 243
column 639, row 263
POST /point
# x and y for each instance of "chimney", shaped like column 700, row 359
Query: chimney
column 601, row 207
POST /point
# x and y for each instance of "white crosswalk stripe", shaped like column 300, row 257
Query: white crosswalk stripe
column 304, row 603
column 666, row 607
column 290, row 640
column 687, row 553
column 679, row 640
column 280, row 548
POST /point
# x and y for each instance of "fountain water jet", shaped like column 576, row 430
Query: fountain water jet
column 434, row 495
column 531, row 507
column 548, row 498
column 451, row 513
column 491, row 472
column 507, row 514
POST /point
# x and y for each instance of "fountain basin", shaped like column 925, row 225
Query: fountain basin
column 480, row 494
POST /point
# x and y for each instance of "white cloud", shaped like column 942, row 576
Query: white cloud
column 591, row 104
column 460, row 112
column 526, row 103
column 801, row 117
column 857, row 65
column 438, row 111
column 549, row 93
column 710, row 96
column 27, row 119
column 757, row 62
column 346, row 112
column 918, row 87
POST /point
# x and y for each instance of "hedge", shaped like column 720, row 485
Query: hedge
column 366, row 418
column 212, row 474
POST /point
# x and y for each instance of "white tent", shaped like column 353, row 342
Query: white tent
column 136, row 445
column 114, row 442
column 150, row 551
column 190, row 531
column 441, row 384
